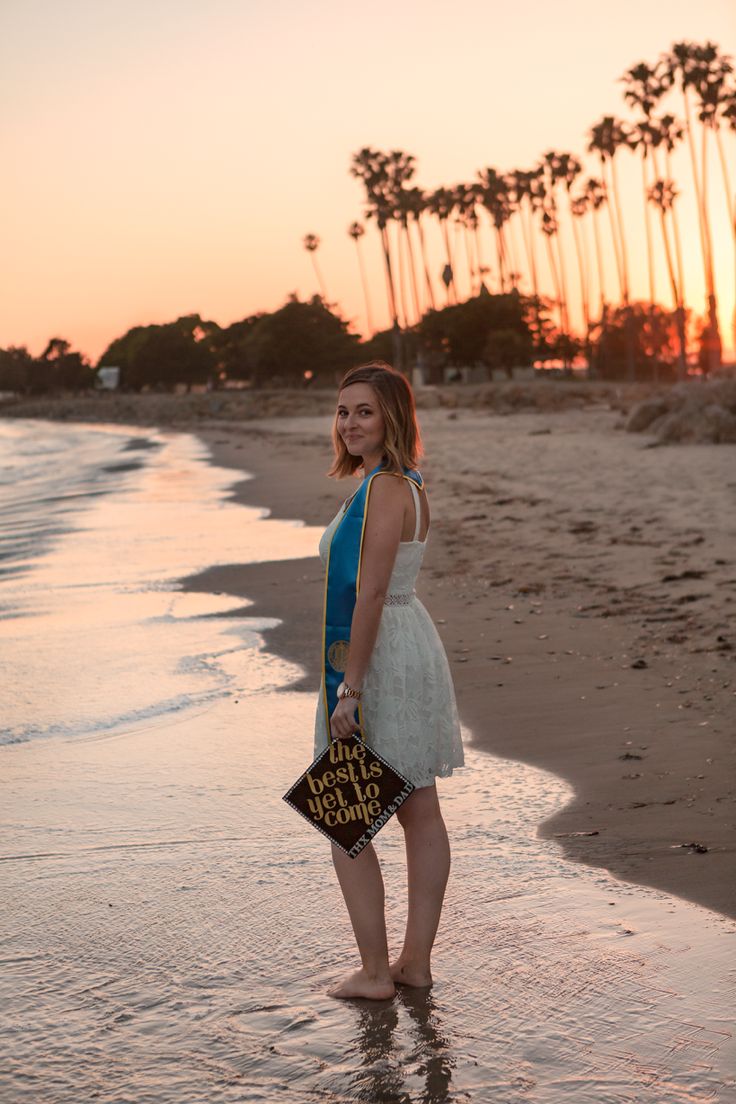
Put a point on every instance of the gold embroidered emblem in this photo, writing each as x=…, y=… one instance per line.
x=337, y=655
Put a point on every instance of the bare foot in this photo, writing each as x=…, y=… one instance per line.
x=359, y=984
x=406, y=974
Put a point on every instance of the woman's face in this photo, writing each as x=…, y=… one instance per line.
x=359, y=420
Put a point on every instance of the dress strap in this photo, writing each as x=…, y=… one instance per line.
x=415, y=495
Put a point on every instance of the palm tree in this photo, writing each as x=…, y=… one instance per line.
x=643, y=137
x=520, y=189
x=550, y=167
x=515, y=227
x=400, y=168
x=356, y=231
x=547, y=209
x=567, y=169
x=728, y=114
x=671, y=132
x=578, y=211
x=370, y=166
x=441, y=203
x=663, y=194
x=715, y=88
x=595, y=193
x=466, y=221
x=494, y=197
x=311, y=244
x=692, y=66
x=645, y=88
x=417, y=203
x=404, y=208
x=605, y=138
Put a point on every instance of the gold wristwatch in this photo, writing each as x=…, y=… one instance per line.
x=345, y=691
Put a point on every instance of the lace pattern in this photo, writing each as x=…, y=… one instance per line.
x=409, y=706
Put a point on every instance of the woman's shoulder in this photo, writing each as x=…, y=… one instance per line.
x=387, y=490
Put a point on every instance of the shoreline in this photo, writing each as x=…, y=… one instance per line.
x=653, y=789
x=582, y=583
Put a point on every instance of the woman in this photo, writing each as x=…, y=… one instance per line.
x=395, y=667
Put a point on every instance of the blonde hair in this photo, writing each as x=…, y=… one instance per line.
x=402, y=444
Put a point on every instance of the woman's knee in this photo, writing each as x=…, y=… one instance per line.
x=421, y=806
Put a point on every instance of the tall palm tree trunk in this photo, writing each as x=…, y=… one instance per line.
x=614, y=230
x=676, y=235
x=563, y=279
x=617, y=221
x=599, y=355
x=427, y=278
x=402, y=281
x=469, y=258
x=389, y=276
x=527, y=230
x=677, y=299
x=364, y=282
x=501, y=254
x=696, y=180
x=705, y=242
x=620, y=220
x=599, y=262
x=583, y=273
x=412, y=270
x=731, y=206
x=508, y=238
x=478, y=253
x=648, y=229
x=451, y=289
x=715, y=353
x=555, y=279
x=318, y=274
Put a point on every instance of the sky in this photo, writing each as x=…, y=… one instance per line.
x=168, y=157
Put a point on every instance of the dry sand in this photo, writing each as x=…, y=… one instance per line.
x=583, y=584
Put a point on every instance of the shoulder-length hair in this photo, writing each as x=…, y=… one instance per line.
x=402, y=445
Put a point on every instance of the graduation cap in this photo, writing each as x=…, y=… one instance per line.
x=348, y=793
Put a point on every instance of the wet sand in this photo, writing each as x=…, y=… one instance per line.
x=584, y=585
x=172, y=927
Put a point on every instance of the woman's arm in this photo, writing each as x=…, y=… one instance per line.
x=383, y=526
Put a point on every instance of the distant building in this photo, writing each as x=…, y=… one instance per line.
x=108, y=378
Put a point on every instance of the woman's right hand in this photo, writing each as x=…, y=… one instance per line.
x=343, y=722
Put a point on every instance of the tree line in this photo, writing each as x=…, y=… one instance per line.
x=550, y=222
x=308, y=343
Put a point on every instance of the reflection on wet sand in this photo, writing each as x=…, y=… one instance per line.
x=388, y=1071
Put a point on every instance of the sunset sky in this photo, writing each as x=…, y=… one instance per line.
x=168, y=156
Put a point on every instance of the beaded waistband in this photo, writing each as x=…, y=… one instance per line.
x=399, y=599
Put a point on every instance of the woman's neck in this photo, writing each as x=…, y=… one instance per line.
x=371, y=462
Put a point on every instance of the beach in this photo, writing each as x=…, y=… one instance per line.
x=584, y=585
x=171, y=926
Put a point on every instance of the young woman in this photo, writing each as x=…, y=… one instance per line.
x=395, y=666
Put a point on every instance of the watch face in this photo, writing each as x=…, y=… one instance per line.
x=340, y=689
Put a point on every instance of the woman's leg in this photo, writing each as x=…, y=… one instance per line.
x=428, y=869
x=362, y=887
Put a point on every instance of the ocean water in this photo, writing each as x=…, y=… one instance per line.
x=98, y=525
x=169, y=926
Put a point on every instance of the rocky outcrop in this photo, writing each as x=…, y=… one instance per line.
x=696, y=412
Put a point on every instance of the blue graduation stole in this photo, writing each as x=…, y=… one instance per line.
x=342, y=584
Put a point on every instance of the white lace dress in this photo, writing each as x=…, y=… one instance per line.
x=409, y=706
